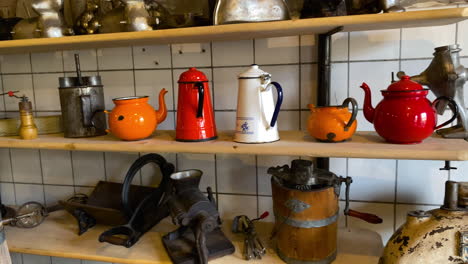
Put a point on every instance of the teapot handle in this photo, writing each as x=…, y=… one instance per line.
x=454, y=108
x=354, y=112
x=278, y=103
x=201, y=98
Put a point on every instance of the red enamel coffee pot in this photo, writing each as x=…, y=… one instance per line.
x=195, y=118
x=405, y=115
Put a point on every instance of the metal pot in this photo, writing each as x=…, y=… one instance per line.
x=82, y=102
x=240, y=11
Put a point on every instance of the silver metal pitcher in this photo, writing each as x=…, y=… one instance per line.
x=241, y=11
x=82, y=103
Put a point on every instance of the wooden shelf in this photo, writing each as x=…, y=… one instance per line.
x=292, y=143
x=241, y=31
x=57, y=237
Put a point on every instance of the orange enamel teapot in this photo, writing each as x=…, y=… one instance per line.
x=133, y=118
x=333, y=123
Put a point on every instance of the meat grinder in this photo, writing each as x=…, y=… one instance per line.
x=445, y=76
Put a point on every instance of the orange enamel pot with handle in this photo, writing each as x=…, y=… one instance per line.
x=133, y=118
x=333, y=123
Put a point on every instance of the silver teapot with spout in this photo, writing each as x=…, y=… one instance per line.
x=241, y=11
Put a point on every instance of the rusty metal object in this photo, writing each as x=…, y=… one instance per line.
x=436, y=236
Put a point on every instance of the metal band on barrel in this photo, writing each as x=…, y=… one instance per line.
x=306, y=224
x=288, y=260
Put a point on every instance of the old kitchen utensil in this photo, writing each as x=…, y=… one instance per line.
x=305, y=204
x=333, y=123
x=195, y=118
x=82, y=104
x=133, y=118
x=257, y=113
x=445, y=76
x=241, y=11
x=253, y=245
x=180, y=13
x=27, y=128
x=6, y=27
x=149, y=212
x=49, y=24
x=117, y=204
x=88, y=21
x=131, y=16
x=44, y=124
x=199, y=237
x=29, y=215
x=435, y=236
x=404, y=116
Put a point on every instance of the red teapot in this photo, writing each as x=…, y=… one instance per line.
x=405, y=115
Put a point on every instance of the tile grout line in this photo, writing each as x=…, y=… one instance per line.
x=256, y=186
x=32, y=81
x=13, y=177
x=395, y=200
x=42, y=176
x=300, y=85
x=216, y=181
x=72, y=170
x=140, y=172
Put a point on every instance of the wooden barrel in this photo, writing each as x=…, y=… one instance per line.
x=305, y=224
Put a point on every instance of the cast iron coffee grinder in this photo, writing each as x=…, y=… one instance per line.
x=445, y=76
x=199, y=237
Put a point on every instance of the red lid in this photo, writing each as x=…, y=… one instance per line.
x=193, y=75
x=404, y=84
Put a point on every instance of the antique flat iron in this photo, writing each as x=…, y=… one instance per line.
x=199, y=237
x=445, y=76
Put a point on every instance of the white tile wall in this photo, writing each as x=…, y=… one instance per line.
x=47, y=62
x=388, y=188
x=88, y=60
x=147, y=57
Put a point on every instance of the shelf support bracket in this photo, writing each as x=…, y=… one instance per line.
x=324, y=76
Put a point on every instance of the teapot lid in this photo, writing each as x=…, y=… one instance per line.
x=253, y=72
x=192, y=75
x=404, y=84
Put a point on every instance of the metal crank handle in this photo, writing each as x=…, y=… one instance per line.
x=370, y=218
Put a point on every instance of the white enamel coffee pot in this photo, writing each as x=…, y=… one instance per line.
x=257, y=113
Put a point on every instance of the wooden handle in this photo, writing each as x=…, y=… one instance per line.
x=370, y=218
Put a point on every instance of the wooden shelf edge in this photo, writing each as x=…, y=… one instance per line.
x=292, y=143
x=241, y=31
x=58, y=238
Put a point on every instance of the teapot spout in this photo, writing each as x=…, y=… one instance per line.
x=161, y=113
x=368, y=109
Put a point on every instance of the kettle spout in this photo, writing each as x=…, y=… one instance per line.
x=161, y=113
x=368, y=109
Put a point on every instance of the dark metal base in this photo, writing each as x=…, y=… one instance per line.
x=184, y=251
x=197, y=140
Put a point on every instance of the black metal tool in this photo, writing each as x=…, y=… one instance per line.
x=149, y=212
x=199, y=237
